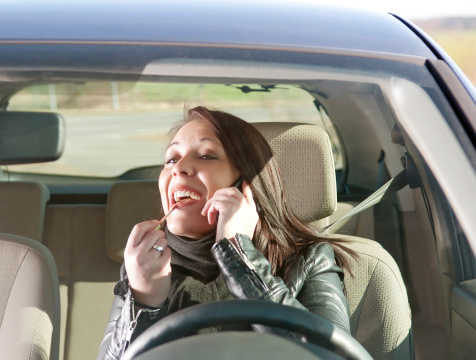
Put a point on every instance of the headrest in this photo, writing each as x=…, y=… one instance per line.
x=304, y=154
x=129, y=203
x=30, y=291
x=22, y=209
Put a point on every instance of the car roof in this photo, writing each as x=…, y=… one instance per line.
x=265, y=24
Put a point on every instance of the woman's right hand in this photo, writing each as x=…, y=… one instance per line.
x=147, y=268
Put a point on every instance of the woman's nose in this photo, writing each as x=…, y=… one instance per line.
x=183, y=167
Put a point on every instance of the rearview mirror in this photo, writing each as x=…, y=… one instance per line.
x=30, y=137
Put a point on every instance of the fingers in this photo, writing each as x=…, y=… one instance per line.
x=141, y=242
x=151, y=238
x=226, y=198
x=160, y=252
x=225, y=192
x=220, y=202
x=212, y=214
x=140, y=230
x=148, y=269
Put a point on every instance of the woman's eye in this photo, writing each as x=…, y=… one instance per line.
x=171, y=161
x=207, y=157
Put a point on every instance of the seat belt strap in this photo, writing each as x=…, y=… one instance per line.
x=390, y=187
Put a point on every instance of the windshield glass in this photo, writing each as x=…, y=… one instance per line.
x=112, y=127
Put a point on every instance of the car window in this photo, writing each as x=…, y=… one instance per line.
x=102, y=141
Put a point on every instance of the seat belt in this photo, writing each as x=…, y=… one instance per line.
x=390, y=187
x=408, y=176
x=386, y=218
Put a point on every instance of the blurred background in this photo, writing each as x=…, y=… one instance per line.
x=457, y=36
x=452, y=24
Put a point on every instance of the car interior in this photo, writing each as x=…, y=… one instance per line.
x=334, y=152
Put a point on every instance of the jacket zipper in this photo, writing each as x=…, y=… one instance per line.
x=131, y=328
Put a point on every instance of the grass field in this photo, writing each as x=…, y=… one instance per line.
x=461, y=46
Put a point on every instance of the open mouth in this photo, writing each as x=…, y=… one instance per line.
x=184, y=196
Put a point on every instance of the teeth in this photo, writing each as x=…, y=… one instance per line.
x=179, y=195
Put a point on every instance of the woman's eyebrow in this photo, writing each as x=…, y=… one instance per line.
x=201, y=140
x=212, y=140
x=172, y=144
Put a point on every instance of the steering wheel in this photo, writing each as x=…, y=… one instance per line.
x=188, y=321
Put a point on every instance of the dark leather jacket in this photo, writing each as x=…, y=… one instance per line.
x=313, y=283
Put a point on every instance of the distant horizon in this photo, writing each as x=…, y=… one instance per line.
x=447, y=23
x=411, y=9
x=441, y=17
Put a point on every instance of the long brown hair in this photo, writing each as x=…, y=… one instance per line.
x=279, y=235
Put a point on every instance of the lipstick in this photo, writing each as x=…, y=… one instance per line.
x=161, y=221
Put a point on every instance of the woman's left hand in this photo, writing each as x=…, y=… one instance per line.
x=237, y=212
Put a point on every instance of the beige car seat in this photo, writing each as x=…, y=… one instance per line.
x=22, y=208
x=380, y=317
x=29, y=300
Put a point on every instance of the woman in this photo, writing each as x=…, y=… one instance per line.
x=219, y=242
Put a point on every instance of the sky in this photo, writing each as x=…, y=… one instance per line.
x=413, y=9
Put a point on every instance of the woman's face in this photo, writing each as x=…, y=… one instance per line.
x=196, y=166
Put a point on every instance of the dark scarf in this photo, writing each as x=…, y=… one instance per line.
x=193, y=257
x=196, y=278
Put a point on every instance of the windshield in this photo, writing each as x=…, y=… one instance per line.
x=113, y=127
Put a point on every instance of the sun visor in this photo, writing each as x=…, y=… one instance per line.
x=30, y=137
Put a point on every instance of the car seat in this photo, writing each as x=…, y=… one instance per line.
x=29, y=300
x=380, y=316
x=22, y=209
